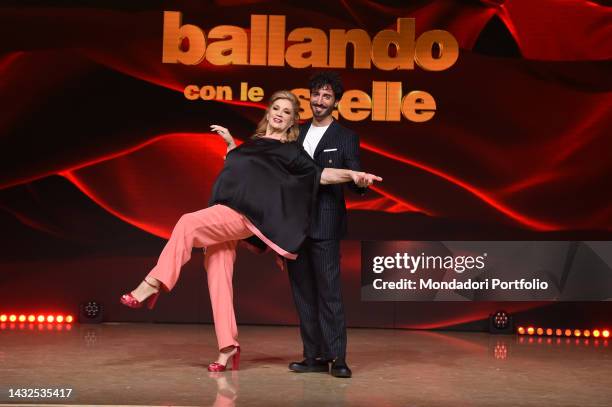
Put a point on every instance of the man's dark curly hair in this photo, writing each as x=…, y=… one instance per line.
x=324, y=78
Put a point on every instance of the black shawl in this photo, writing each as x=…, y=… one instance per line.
x=274, y=185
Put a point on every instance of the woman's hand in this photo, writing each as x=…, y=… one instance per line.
x=364, y=179
x=225, y=135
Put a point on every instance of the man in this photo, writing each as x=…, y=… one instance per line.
x=315, y=274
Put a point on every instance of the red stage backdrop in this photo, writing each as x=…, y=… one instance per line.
x=501, y=130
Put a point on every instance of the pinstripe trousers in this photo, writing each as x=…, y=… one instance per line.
x=315, y=283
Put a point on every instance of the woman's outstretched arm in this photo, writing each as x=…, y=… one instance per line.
x=339, y=175
x=225, y=134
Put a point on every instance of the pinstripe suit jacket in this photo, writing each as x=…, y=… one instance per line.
x=338, y=148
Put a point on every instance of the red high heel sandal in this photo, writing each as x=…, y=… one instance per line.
x=129, y=301
x=218, y=367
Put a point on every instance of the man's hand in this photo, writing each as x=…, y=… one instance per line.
x=364, y=179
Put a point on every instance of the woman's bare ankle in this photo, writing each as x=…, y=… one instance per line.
x=144, y=290
x=152, y=282
x=226, y=353
x=227, y=349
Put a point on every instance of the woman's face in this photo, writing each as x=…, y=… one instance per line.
x=280, y=115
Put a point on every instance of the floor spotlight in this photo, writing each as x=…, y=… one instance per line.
x=500, y=323
x=90, y=313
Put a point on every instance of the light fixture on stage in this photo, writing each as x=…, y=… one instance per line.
x=500, y=323
x=57, y=322
x=576, y=333
x=90, y=312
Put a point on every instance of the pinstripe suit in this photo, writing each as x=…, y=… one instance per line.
x=315, y=274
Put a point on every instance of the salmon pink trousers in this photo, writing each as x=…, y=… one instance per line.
x=218, y=229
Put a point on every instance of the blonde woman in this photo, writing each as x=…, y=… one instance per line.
x=265, y=191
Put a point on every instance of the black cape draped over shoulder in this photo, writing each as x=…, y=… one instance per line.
x=274, y=185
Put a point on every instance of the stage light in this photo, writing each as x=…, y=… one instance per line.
x=32, y=318
x=500, y=323
x=501, y=319
x=69, y=319
x=90, y=312
x=567, y=332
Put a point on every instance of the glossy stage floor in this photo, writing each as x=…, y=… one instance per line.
x=165, y=364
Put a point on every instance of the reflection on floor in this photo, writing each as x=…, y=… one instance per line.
x=164, y=364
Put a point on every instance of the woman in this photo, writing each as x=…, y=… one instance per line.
x=265, y=191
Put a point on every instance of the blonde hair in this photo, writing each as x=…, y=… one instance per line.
x=293, y=131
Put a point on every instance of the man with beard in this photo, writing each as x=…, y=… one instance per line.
x=315, y=274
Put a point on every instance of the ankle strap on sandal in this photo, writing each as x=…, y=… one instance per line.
x=151, y=285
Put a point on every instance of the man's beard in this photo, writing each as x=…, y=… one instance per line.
x=324, y=113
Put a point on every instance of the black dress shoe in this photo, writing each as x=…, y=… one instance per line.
x=309, y=365
x=340, y=368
